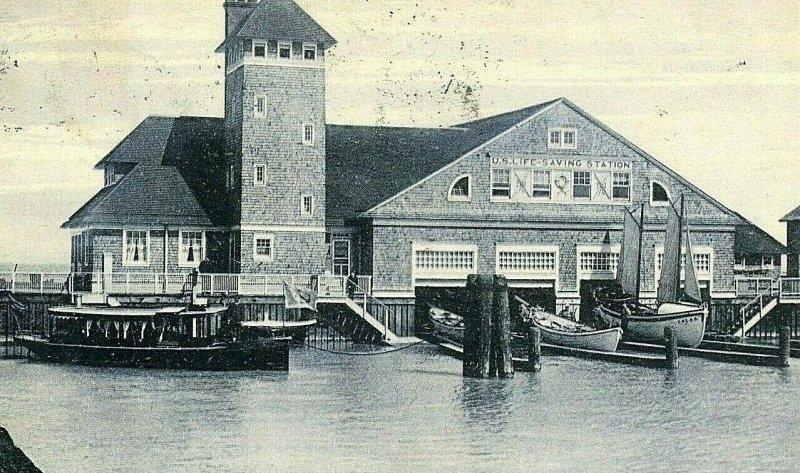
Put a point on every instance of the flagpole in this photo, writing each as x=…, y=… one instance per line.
x=639, y=259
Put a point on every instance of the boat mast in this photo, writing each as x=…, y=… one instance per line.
x=639, y=259
x=681, y=255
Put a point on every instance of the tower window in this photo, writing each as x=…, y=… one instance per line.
x=308, y=134
x=285, y=50
x=260, y=106
x=309, y=52
x=259, y=176
x=306, y=204
x=259, y=49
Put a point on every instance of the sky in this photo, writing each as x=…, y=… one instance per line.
x=711, y=89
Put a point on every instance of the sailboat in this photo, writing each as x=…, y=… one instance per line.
x=676, y=307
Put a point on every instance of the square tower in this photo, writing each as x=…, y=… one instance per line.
x=275, y=136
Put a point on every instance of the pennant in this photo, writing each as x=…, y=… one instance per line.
x=299, y=298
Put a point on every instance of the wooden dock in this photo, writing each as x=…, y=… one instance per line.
x=758, y=355
x=627, y=358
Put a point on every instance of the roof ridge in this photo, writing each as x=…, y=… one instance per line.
x=509, y=113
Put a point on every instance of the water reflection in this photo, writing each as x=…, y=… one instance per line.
x=487, y=403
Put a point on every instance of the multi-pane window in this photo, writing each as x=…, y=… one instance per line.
x=191, y=248
x=562, y=138
x=454, y=260
x=527, y=261
x=582, y=184
x=622, y=185
x=80, y=248
x=259, y=49
x=540, y=185
x=308, y=134
x=285, y=50
x=263, y=247
x=460, y=189
x=310, y=52
x=135, y=251
x=306, y=205
x=658, y=194
x=605, y=261
x=260, y=175
x=341, y=257
x=260, y=106
x=501, y=183
x=702, y=262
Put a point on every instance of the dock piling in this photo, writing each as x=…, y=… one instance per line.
x=534, y=349
x=478, y=326
x=785, y=346
x=501, y=329
x=671, y=347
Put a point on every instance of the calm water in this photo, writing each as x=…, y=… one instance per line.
x=407, y=411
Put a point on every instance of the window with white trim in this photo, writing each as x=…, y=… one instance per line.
x=435, y=260
x=309, y=51
x=701, y=258
x=460, y=189
x=259, y=49
x=526, y=261
x=260, y=106
x=540, y=184
x=621, y=186
x=306, y=204
x=191, y=248
x=263, y=247
x=136, y=247
x=582, y=184
x=562, y=138
x=260, y=175
x=658, y=194
x=308, y=134
x=284, y=50
x=605, y=261
x=501, y=183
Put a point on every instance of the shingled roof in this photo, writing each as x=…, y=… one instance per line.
x=792, y=216
x=176, y=179
x=751, y=240
x=367, y=164
x=280, y=19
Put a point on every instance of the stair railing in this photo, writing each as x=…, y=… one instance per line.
x=383, y=318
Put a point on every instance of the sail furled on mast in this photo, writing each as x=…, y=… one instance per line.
x=628, y=267
x=670, y=282
x=691, y=290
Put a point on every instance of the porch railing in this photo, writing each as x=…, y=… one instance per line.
x=140, y=283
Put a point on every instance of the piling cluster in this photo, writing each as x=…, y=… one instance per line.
x=487, y=328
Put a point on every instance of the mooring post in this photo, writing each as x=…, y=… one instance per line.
x=671, y=347
x=534, y=349
x=478, y=326
x=785, y=345
x=502, y=328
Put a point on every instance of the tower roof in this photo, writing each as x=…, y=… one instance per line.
x=280, y=19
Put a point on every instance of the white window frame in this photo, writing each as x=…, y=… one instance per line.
x=460, y=198
x=125, y=260
x=549, y=274
x=263, y=181
x=443, y=273
x=308, y=46
x=492, y=185
x=574, y=183
x=560, y=144
x=291, y=50
x=265, y=43
x=696, y=250
x=182, y=262
x=262, y=114
x=303, y=210
x=614, y=186
x=264, y=236
x=306, y=141
x=666, y=189
x=588, y=274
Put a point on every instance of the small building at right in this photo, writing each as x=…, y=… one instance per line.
x=792, y=220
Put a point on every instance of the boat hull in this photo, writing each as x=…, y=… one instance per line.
x=261, y=354
x=688, y=323
x=448, y=332
x=598, y=340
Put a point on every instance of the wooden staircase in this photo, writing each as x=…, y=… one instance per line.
x=753, y=312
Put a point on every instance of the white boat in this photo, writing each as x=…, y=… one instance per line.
x=568, y=333
x=679, y=308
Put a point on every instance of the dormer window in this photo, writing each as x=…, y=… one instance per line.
x=285, y=50
x=562, y=138
x=309, y=52
x=259, y=49
x=460, y=189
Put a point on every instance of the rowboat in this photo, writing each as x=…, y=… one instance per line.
x=297, y=329
x=447, y=325
x=687, y=321
x=568, y=333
